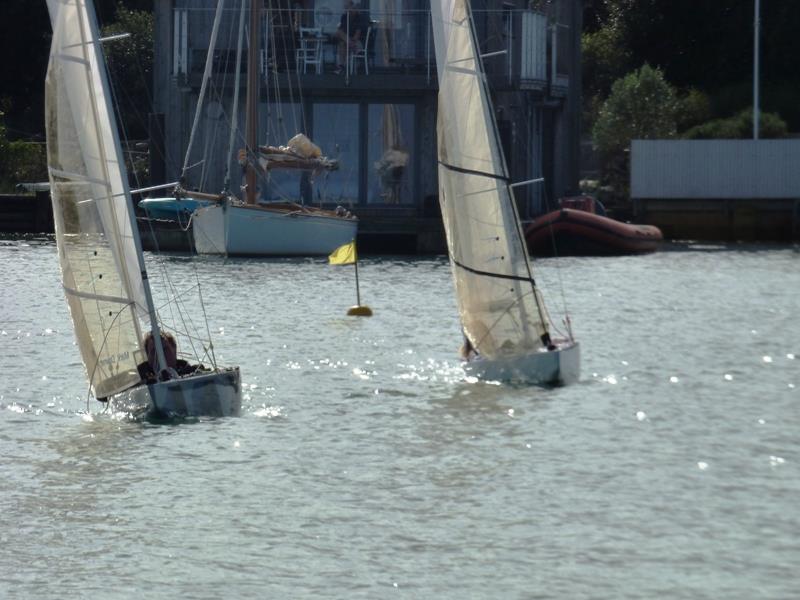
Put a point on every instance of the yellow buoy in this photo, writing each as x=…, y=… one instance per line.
x=359, y=311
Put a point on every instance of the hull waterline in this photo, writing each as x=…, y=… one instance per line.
x=214, y=394
x=555, y=367
x=256, y=231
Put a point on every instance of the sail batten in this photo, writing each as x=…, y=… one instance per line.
x=473, y=172
x=91, y=296
x=78, y=177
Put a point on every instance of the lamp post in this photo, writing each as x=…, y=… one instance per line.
x=756, y=60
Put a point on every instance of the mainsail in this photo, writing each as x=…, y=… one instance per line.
x=100, y=268
x=501, y=311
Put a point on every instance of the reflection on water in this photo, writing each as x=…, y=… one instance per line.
x=365, y=464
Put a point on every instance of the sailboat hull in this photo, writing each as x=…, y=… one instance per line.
x=555, y=367
x=216, y=394
x=260, y=231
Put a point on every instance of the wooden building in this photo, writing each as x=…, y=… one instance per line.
x=378, y=118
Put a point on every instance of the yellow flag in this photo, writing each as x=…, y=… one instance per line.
x=344, y=255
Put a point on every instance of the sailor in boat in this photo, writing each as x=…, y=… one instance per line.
x=468, y=351
x=176, y=367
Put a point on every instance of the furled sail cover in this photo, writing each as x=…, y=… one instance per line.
x=500, y=311
x=99, y=262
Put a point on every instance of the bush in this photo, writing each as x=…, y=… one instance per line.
x=693, y=109
x=20, y=161
x=739, y=126
x=642, y=105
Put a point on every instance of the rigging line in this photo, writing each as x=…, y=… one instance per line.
x=298, y=127
x=473, y=172
x=161, y=264
x=175, y=303
x=143, y=81
x=558, y=270
x=185, y=317
x=121, y=125
x=218, y=91
x=194, y=271
x=507, y=311
x=276, y=90
x=100, y=350
x=285, y=48
x=203, y=85
x=234, y=118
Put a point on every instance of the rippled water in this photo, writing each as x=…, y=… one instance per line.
x=364, y=466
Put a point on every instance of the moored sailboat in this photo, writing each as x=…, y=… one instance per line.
x=102, y=266
x=505, y=323
x=231, y=226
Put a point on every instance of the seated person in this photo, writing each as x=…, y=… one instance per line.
x=468, y=352
x=175, y=366
x=355, y=24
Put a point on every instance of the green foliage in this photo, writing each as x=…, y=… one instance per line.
x=20, y=161
x=703, y=45
x=642, y=105
x=739, y=126
x=605, y=59
x=130, y=63
x=693, y=108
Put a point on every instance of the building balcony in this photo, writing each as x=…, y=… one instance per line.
x=524, y=50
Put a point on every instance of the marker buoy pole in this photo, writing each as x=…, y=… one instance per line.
x=358, y=310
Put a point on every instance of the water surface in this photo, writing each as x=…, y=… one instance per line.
x=366, y=466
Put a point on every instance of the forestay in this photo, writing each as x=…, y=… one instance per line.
x=100, y=270
x=499, y=306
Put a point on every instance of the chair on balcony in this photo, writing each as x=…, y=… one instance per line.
x=309, y=50
x=362, y=54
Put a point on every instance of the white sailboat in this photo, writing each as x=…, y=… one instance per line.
x=102, y=266
x=231, y=227
x=505, y=323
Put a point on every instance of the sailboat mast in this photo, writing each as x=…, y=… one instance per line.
x=237, y=82
x=251, y=126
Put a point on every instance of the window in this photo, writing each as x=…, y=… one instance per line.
x=336, y=132
x=390, y=145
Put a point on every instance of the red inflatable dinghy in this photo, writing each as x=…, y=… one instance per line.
x=577, y=230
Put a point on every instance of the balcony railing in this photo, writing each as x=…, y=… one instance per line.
x=525, y=47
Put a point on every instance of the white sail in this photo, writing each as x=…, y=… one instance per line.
x=500, y=309
x=100, y=268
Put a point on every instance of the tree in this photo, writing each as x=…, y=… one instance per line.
x=703, y=45
x=642, y=105
x=130, y=64
x=694, y=107
x=605, y=59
